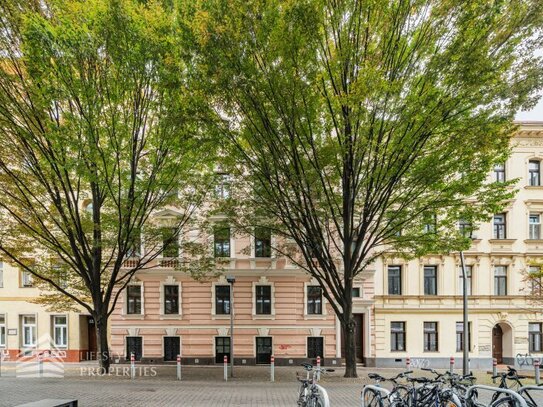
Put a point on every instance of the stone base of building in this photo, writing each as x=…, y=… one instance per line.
x=67, y=355
x=434, y=363
x=241, y=361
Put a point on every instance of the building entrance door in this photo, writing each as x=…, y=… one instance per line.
x=497, y=343
x=358, y=338
x=172, y=348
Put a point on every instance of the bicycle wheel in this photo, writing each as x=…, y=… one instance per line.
x=315, y=401
x=504, y=402
x=372, y=398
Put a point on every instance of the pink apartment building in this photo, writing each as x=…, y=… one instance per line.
x=278, y=309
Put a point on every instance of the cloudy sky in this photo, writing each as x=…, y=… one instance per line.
x=536, y=114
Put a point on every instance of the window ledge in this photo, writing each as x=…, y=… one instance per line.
x=170, y=316
x=536, y=187
x=535, y=241
x=133, y=316
x=503, y=241
x=227, y=316
x=315, y=316
x=263, y=316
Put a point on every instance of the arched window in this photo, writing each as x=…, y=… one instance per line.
x=534, y=173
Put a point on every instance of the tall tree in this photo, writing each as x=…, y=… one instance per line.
x=366, y=126
x=96, y=136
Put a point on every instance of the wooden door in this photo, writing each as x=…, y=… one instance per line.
x=172, y=348
x=91, y=333
x=263, y=350
x=359, y=338
x=497, y=343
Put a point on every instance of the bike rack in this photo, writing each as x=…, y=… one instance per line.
x=525, y=388
x=324, y=395
x=376, y=388
x=520, y=401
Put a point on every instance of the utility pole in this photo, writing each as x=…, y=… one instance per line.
x=465, y=358
x=231, y=280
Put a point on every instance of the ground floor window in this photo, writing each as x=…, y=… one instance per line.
x=2, y=330
x=263, y=349
x=460, y=338
x=222, y=348
x=29, y=330
x=397, y=336
x=134, y=344
x=172, y=347
x=60, y=330
x=535, y=336
x=315, y=347
x=430, y=337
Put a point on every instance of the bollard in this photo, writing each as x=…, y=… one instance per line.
x=408, y=363
x=318, y=368
x=451, y=365
x=537, y=373
x=178, y=367
x=494, y=369
x=40, y=364
x=225, y=368
x=272, y=367
x=1, y=358
x=132, y=365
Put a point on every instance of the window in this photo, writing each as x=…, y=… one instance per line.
x=461, y=280
x=315, y=347
x=134, y=344
x=134, y=247
x=499, y=172
x=60, y=330
x=430, y=223
x=1, y=274
x=222, y=242
x=2, y=330
x=222, y=299
x=535, y=336
x=465, y=228
x=500, y=280
x=535, y=226
x=534, y=179
x=29, y=330
x=314, y=300
x=222, y=190
x=460, y=336
x=499, y=226
x=222, y=348
x=263, y=299
x=430, y=280
x=262, y=242
x=430, y=337
x=171, y=299
x=394, y=280
x=170, y=243
x=356, y=292
x=535, y=280
x=133, y=296
x=397, y=336
x=26, y=278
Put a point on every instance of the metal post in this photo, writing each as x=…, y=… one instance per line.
x=231, y=280
x=465, y=358
x=537, y=373
x=494, y=369
x=272, y=367
x=1, y=359
x=40, y=364
x=318, y=368
x=178, y=367
x=132, y=365
x=451, y=365
x=225, y=359
x=408, y=363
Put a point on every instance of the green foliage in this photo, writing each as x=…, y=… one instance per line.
x=352, y=121
x=97, y=134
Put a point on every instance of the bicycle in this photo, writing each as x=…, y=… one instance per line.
x=310, y=393
x=376, y=396
x=523, y=391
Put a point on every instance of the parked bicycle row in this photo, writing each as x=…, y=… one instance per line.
x=436, y=389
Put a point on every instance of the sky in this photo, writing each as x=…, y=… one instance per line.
x=536, y=114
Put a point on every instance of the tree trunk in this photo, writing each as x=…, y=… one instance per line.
x=348, y=329
x=102, y=343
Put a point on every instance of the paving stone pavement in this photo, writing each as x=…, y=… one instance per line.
x=200, y=386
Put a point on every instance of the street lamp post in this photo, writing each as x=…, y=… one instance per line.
x=231, y=280
x=465, y=358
